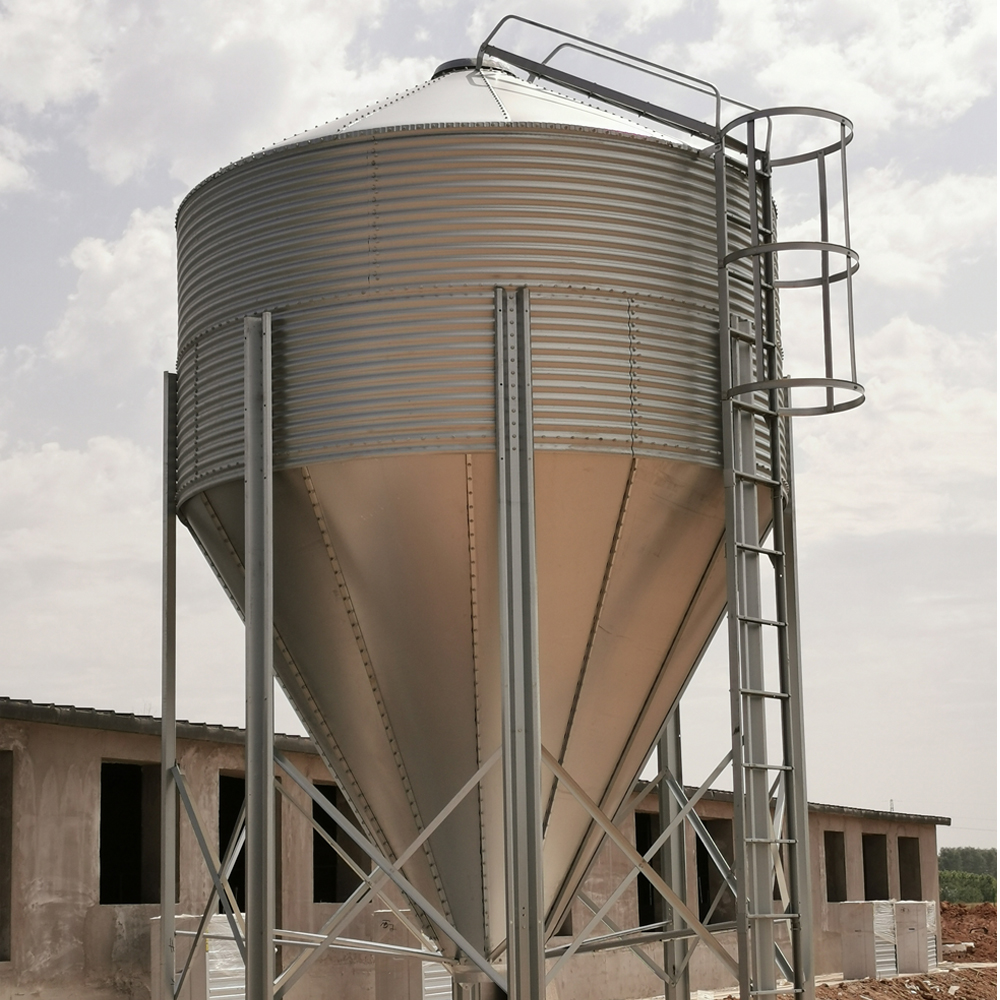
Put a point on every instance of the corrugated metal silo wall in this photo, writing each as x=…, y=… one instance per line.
x=378, y=254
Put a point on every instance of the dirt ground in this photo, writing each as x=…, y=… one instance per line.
x=975, y=922
x=962, y=984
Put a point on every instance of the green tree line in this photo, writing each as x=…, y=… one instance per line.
x=967, y=874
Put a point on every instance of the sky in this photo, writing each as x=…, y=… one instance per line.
x=111, y=110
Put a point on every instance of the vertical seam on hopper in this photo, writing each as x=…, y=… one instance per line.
x=593, y=629
x=359, y=638
x=474, y=601
x=344, y=768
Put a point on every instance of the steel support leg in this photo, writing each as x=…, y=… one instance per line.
x=168, y=695
x=797, y=806
x=673, y=860
x=260, y=883
x=519, y=650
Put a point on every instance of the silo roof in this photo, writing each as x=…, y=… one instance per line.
x=460, y=94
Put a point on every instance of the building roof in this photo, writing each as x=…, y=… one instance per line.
x=125, y=722
x=721, y=795
x=148, y=725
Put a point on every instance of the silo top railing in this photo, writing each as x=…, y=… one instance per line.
x=737, y=140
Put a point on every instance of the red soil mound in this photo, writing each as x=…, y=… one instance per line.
x=967, y=984
x=975, y=922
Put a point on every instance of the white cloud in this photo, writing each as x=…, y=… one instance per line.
x=910, y=234
x=191, y=83
x=88, y=507
x=80, y=588
x=123, y=313
x=14, y=147
x=51, y=50
x=607, y=23
x=915, y=61
x=919, y=455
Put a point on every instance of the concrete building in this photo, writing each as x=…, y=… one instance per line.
x=79, y=864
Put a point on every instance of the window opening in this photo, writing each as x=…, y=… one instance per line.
x=876, y=864
x=836, y=866
x=909, y=868
x=232, y=790
x=130, y=833
x=710, y=879
x=6, y=849
x=333, y=879
x=647, y=829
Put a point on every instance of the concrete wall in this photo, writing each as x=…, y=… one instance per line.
x=826, y=915
x=65, y=940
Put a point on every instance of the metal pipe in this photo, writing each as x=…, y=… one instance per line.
x=257, y=496
x=519, y=650
x=168, y=694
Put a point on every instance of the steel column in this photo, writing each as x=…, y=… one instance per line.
x=258, y=603
x=519, y=650
x=799, y=870
x=168, y=694
x=673, y=860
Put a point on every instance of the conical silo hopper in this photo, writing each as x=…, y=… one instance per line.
x=376, y=243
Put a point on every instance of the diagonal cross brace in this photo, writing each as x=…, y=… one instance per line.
x=720, y=862
x=232, y=912
x=638, y=862
x=349, y=861
x=660, y=841
x=233, y=848
x=370, y=884
x=401, y=882
x=642, y=956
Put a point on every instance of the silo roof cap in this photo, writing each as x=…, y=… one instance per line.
x=460, y=93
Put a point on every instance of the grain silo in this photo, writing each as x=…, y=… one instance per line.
x=453, y=364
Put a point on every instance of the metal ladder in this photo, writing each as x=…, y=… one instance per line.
x=756, y=456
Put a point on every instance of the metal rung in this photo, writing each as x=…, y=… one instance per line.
x=763, y=694
x=773, y=916
x=761, y=411
x=777, y=990
x=749, y=338
x=761, y=621
x=764, y=840
x=760, y=549
x=753, y=478
x=767, y=767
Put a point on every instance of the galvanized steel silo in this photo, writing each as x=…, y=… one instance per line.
x=376, y=244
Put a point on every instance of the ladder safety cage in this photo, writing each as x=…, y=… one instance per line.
x=838, y=376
